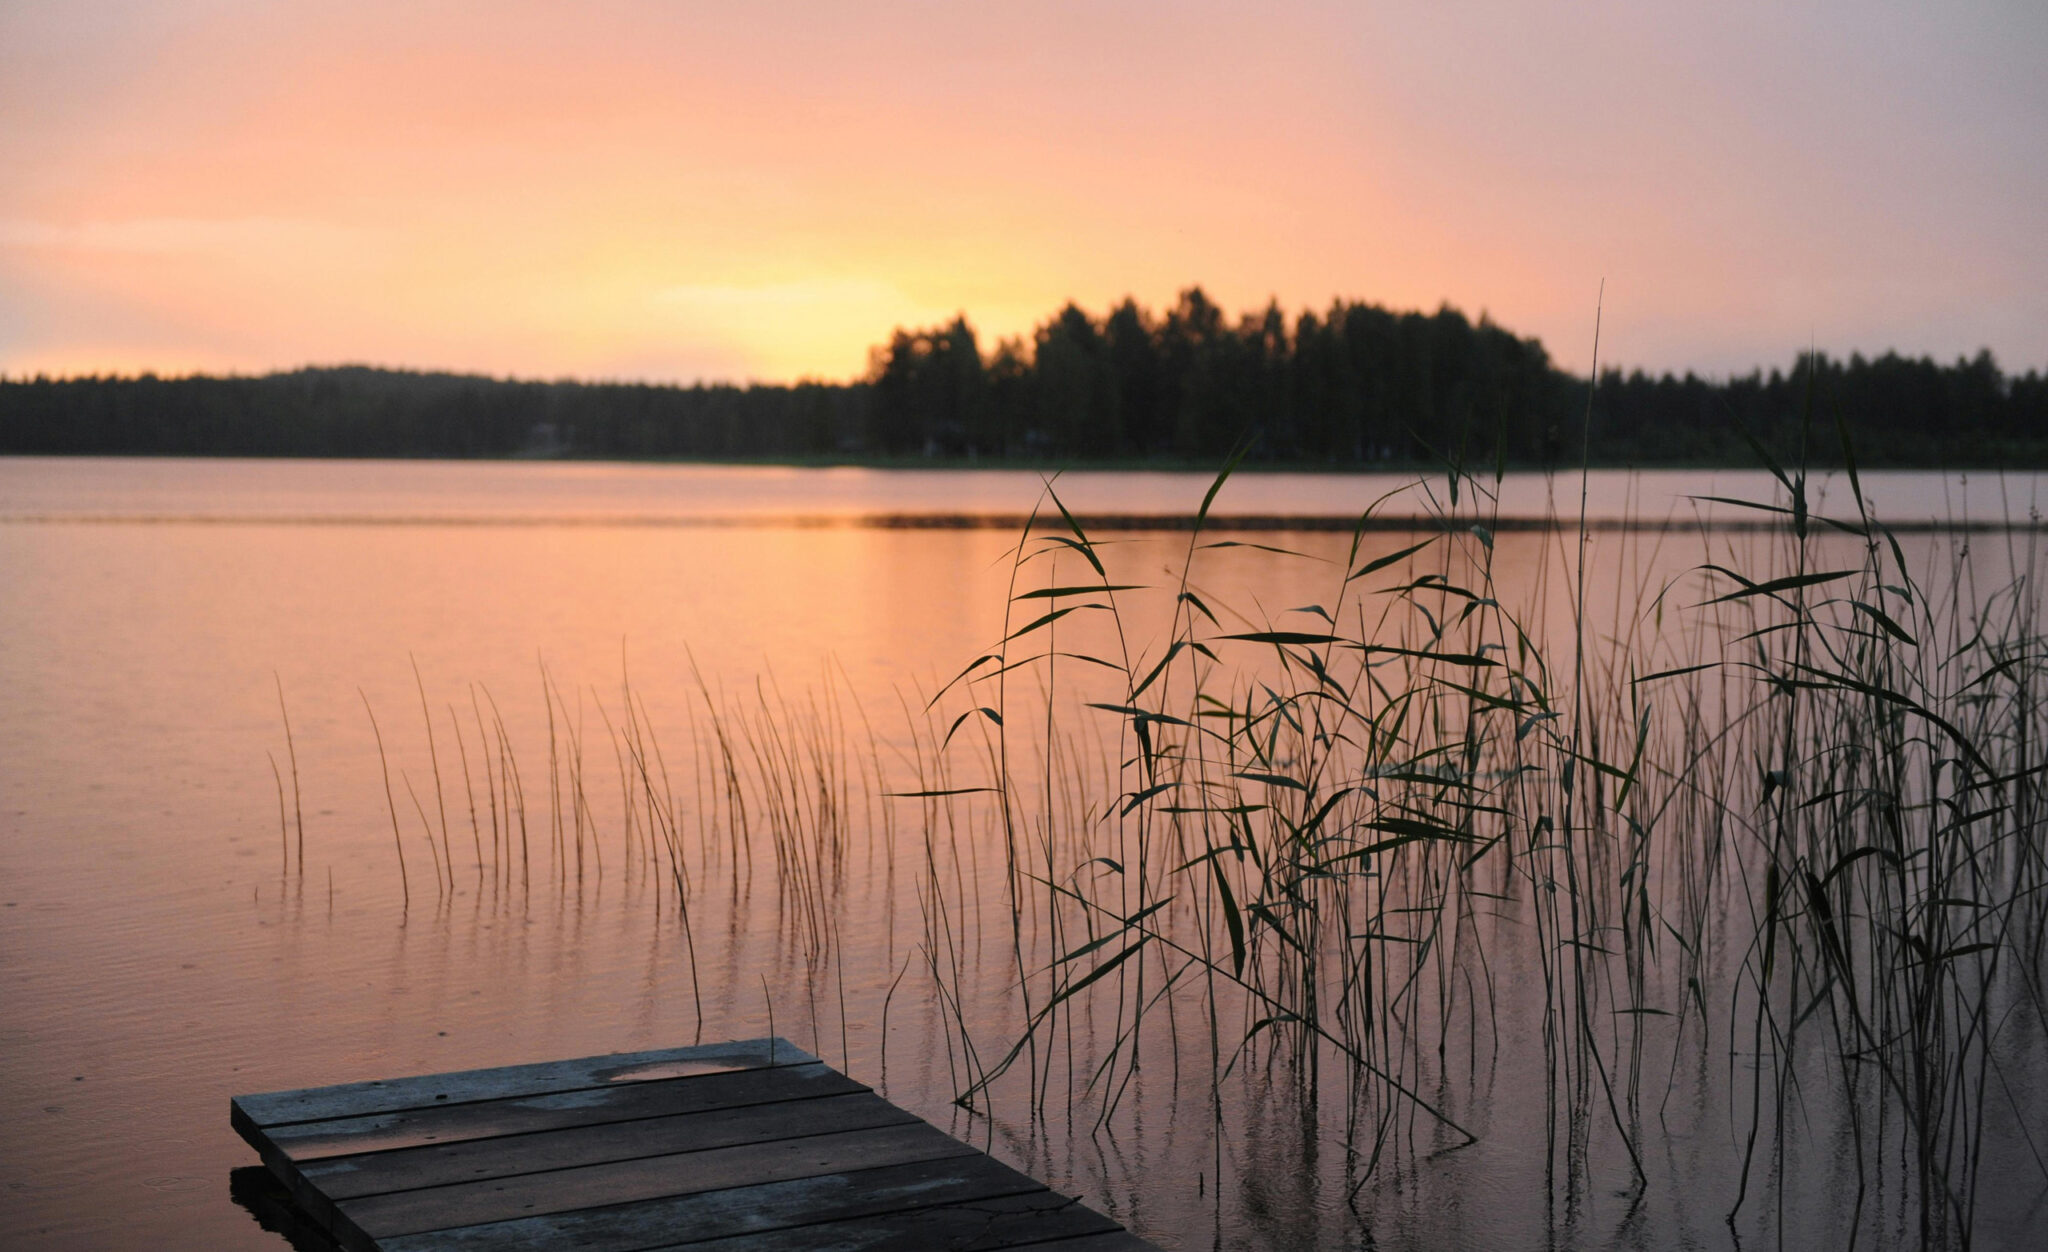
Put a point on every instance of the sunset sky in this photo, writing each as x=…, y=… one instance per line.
x=677, y=191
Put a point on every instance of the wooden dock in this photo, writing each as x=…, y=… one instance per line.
x=755, y=1146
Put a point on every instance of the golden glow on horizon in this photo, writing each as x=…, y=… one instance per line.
x=676, y=192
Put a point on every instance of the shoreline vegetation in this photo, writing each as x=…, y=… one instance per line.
x=1748, y=859
x=1380, y=523
x=1356, y=387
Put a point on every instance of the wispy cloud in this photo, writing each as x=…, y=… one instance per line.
x=175, y=236
x=840, y=293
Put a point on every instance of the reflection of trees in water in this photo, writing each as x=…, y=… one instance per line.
x=1709, y=887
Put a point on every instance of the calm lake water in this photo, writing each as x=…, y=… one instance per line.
x=161, y=947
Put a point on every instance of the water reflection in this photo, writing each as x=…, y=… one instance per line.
x=257, y=1192
x=156, y=938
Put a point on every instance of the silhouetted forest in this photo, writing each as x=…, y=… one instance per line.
x=1356, y=385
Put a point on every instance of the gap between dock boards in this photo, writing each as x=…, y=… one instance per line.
x=752, y=1146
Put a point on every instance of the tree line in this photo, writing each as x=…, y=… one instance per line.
x=1356, y=385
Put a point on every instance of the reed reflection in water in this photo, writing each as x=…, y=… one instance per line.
x=1384, y=990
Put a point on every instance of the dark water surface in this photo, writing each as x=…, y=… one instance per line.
x=161, y=947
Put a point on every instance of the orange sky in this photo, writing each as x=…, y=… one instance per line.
x=679, y=191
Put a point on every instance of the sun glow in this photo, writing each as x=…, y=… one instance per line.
x=676, y=193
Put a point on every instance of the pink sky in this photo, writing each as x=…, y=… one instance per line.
x=674, y=191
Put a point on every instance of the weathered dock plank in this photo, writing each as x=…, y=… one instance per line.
x=409, y=1169
x=754, y=1146
x=737, y=1210
x=464, y=1204
x=358, y=1099
x=490, y=1119
x=968, y=1227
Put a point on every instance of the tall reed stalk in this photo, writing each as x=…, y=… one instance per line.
x=1776, y=817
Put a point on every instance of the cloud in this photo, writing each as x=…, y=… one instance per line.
x=175, y=236
x=833, y=294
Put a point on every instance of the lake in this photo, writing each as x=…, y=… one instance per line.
x=678, y=719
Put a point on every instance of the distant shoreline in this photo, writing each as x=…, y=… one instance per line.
x=1225, y=523
x=1366, y=389
x=2026, y=459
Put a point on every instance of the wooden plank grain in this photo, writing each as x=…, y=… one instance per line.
x=645, y=1178
x=360, y=1099
x=639, y=1226
x=410, y=1169
x=754, y=1146
x=971, y=1226
x=317, y=1206
x=1110, y=1241
x=589, y=1106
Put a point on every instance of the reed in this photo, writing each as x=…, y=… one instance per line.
x=292, y=752
x=284, y=849
x=390, y=805
x=1312, y=814
x=1776, y=816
